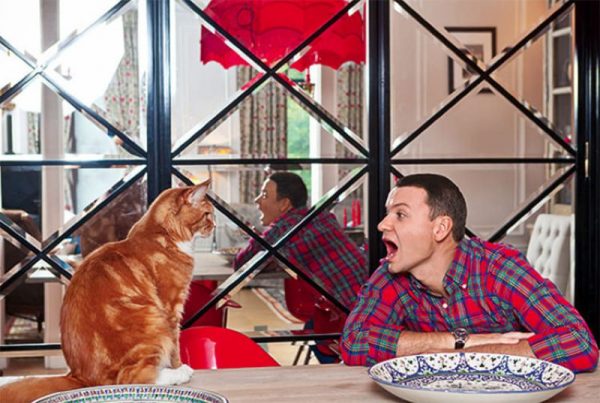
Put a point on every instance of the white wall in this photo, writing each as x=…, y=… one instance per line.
x=480, y=125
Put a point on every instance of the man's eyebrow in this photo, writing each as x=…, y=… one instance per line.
x=388, y=208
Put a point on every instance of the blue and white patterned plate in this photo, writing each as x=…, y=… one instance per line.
x=134, y=393
x=471, y=377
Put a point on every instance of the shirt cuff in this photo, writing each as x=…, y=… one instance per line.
x=383, y=343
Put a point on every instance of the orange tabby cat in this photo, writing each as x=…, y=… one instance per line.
x=121, y=312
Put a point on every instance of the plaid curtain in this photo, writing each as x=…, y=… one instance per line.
x=350, y=98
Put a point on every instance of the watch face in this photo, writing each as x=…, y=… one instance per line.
x=460, y=337
x=461, y=333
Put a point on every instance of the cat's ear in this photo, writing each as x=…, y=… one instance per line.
x=196, y=193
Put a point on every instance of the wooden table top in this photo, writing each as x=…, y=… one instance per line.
x=333, y=383
x=328, y=383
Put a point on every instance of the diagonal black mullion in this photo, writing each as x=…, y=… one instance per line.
x=18, y=237
x=533, y=116
x=270, y=72
x=315, y=34
x=501, y=232
x=26, y=59
x=15, y=276
x=397, y=173
x=237, y=44
x=313, y=212
x=484, y=75
x=128, y=144
x=273, y=250
x=98, y=207
x=61, y=46
x=316, y=110
x=54, y=266
x=223, y=113
x=310, y=215
x=532, y=35
x=42, y=254
x=15, y=89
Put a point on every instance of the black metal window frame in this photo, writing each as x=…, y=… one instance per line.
x=159, y=162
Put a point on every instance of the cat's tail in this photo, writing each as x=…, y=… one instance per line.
x=29, y=389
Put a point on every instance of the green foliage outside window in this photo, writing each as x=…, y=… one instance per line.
x=297, y=131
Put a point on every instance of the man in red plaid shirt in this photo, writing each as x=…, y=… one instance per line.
x=437, y=291
x=320, y=249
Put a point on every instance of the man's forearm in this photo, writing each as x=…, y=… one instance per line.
x=522, y=348
x=432, y=342
x=410, y=343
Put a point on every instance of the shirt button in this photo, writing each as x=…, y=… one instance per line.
x=444, y=305
x=464, y=286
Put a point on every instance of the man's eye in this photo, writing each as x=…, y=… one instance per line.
x=400, y=214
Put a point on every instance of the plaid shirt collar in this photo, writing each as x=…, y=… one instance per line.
x=456, y=277
x=294, y=214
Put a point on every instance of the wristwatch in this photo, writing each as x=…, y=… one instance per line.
x=460, y=337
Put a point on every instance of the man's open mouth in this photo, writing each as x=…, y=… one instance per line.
x=391, y=248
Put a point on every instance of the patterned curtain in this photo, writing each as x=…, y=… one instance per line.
x=33, y=133
x=350, y=98
x=263, y=130
x=125, y=108
x=70, y=174
x=122, y=98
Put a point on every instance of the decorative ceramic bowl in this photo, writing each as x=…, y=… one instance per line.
x=471, y=377
x=134, y=393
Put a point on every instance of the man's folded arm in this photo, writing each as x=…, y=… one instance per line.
x=561, y=334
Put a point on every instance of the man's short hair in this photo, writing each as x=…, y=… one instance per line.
x=291, y=186
x=443, y=198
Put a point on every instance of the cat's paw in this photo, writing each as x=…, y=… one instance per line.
x=177, y=376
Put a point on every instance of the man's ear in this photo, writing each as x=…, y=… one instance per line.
x=442, y=227
x=286, y=205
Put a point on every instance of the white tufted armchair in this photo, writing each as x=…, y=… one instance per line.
x=549, y=250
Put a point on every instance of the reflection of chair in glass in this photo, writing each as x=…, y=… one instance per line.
x=198, y=296
x=26, y=300
x=305, y=303
x=549, y=250
x=328, y=319
x=209, y=347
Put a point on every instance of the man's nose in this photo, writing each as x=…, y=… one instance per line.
x=257, y=199
x=383, y=224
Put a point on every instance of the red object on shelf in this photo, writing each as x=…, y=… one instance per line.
x=345, y=218
x=271, y=29
x=358, y=213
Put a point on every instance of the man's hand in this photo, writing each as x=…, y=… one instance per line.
x=483, y=339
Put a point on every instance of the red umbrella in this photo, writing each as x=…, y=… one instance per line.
x=271, y=29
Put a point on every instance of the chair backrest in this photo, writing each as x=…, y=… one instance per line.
x=549, y=249
x=209, y=347
x=300, y=298
x=198, y=296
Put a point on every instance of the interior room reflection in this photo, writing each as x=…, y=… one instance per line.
x=106, y=71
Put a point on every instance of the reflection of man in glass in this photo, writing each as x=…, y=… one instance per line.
x=320, y=249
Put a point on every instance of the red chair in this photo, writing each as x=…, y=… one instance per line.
x=199, y=295
x=209, y=347
x=328, y=319
x=300, y=298
x=305, y=303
